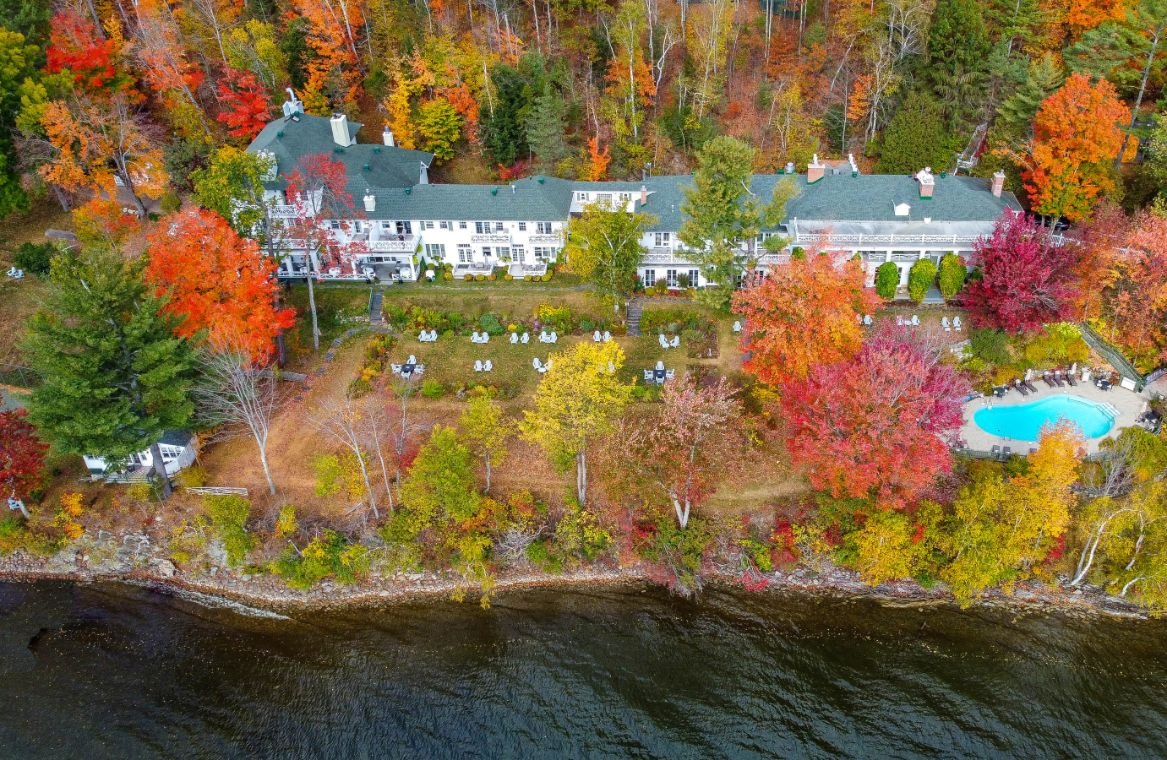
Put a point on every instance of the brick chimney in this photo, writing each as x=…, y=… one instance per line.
x=643, y=195
x=927, y=182
x=998, y=183
x=815, y=170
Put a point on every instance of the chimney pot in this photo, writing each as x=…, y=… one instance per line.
x=815, y=170
x=998, y=183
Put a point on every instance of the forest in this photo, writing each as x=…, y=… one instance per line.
x=588, y=89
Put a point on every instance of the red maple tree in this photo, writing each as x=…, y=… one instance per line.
x=1024, y=279
x=22, y=455
x=318, y=191
x=802, y=315
x=246, y=104
x=76, y=45
x=879, y=424
x=217, y=281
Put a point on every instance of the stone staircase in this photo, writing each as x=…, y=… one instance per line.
x=635, y=308
x=375, y=298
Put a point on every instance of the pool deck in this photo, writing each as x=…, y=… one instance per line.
x=1128, y=403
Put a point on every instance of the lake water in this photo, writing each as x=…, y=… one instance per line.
x=108, y=671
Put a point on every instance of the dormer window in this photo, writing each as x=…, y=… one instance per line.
x=903, y=209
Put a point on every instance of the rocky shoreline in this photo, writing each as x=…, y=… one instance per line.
x=267, y=596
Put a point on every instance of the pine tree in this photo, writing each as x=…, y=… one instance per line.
x=1015, y=115
x=505, y=135
x=114, y=376
x=958, y=55
x=916, y=137
x=545, y=129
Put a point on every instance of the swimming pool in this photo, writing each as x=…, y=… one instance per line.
x=1024, y=422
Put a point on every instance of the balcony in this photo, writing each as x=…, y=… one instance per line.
x=388, y=242
x=500, y=237
x=552, y=238
x=283, y=211
x=664, y=256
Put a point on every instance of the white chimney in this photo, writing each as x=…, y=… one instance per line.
x=815, y=170
x=998, y=183
x=790, y=167
x=424, y=176
x=387, y=137
x=643, y=195
x=927, y=182
x=370, y=201
x=854, y=166
x=340, y=134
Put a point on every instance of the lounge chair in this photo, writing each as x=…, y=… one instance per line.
x=1046, y=380
x=396, y=368
x=1032, y=388
x=488, y=366
x=596, y=336
x=536, y=363
x=869, y=320
x=526, y=338
x=1006, y=452
x=915, y=320
x=423, y=336
x=607, y=336
x=899, y=321
x=737, y=326
x=670, y=373
x=995, y=452
x=664, y=342
x=956, y=323
x=514, y=338
x=675, y=342
x=1020, y=388
x=554, y=338
x=946, y=324
x=1071, y=379
x=412, y=359
x=648, y=375
x=1057, y=376
x=477, y=365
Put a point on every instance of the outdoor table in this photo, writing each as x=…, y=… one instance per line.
x=659, y=376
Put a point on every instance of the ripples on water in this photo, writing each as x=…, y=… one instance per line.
x=113, y=672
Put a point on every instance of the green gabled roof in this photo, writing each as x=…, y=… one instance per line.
x=544, y=199
x=367, y=166
x=871, y=197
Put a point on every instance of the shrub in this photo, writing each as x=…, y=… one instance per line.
x=540, y=555
x=35, y=258
x=798, y=253
x=468, y=277
x=169, y=202
x=678, y=552
x=547, y=277
x=328, y=474
x=952, y=275
x=991, y=346
x=360, y=387
x=329, y=555
x=920, y=278
x=447, y=276
x=192, y=477
x=229, y=515
x=492, y=277
x=887, y=279
x=674, y=319
x=661, y=287
x=286, y=523
x=432, y=389
x=558, y=318
x=683, y=280
x=507, y=277
x=578, y=534
x=491, y=324
x=480, y=278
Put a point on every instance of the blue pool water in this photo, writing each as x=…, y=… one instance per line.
x=1024, y=422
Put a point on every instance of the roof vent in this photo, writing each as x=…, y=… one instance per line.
x=540, y=180
x=376, y=148
x=408, y=190
x=279, y=134
x=338, y=149
x=494, y=191
x=366, y=168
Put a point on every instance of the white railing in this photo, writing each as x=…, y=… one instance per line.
x=832, y=238
x=283, y=211
x=499, y=238
x=398, y=243
x=554, y=237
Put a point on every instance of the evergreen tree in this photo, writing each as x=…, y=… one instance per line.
x=720, y=213
x=545, y=131
x=504, y=128
x=916, y=137
x=958, y=55
x=114, y=377
x=18, y=62
x=1015, y=114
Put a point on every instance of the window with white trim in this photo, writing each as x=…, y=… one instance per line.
x=465, y=253
x=661, y=239
x=518, y=253
x=482, y=228
x=444, y=225
x=671, y=277
x=503, y=252
x=522, y=226
x=694, y=278
x=649, y=278
x=625, y=197
x=543, y=228
x=461, y=225
x=498, y=227
x=427, y=225
x=435, y=250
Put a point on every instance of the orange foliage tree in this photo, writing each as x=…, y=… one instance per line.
x=801, y=316
x=598, y=160
x=217, y=281
x=1077, y=133
x=1137, y=296
x=334, y=77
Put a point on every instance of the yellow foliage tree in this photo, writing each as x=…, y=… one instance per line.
x=575, y=405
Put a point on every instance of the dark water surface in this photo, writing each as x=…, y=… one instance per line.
x=107, y=671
